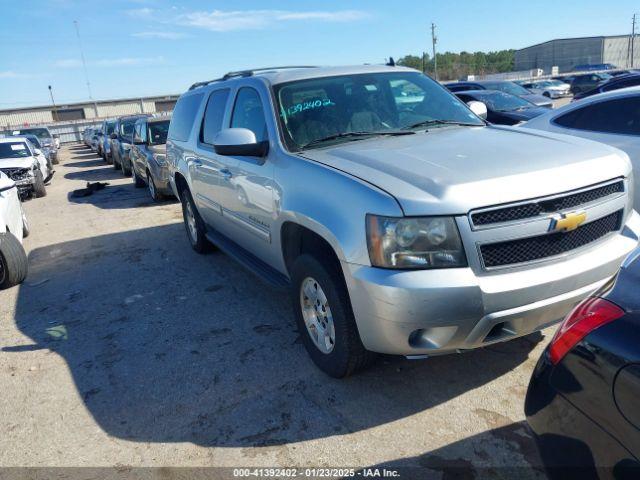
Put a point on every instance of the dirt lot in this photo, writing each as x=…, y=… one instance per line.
x=125, y=347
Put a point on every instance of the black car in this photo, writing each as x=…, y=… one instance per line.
x=503, y=86
x=615, y=83
x=589, y=81
x=503, y=108
x=583, y=402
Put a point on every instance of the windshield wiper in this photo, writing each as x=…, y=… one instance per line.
x=426, y=123
x=359, y=135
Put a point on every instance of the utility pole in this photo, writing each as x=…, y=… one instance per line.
x=434, y=40
x=633, y=37
x=84, y=67
x=53, y=102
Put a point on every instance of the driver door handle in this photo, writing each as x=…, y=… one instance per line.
x=226, y=173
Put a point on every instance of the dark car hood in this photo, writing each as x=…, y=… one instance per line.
x=524, y=115
x=536, y=99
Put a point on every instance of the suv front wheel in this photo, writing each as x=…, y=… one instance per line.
x=324, y=318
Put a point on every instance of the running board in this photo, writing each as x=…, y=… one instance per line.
x=248, y=260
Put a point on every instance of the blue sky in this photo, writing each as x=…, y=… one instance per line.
x=149, y=47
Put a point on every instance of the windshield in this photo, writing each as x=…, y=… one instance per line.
x=364, y=103
x=14, y=150
x=158, y=132
x=41, y=133
x=33, y=139
x=502, y=102
x=110, y=127
x=507, y=87
x=126, y=127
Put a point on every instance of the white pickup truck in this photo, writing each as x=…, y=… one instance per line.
x=13, y=228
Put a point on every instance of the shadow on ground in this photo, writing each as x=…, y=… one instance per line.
x=165, y=345
x=505, y=452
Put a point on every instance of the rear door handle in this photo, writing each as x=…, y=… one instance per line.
x=196, y=162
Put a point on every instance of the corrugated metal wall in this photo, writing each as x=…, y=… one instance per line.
x=617, y=51
x=565, y=54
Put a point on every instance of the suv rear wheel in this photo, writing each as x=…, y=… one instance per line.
x=193, y=223
x=324, y=318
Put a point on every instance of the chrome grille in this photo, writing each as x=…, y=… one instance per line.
x=539, y=207
x=543, y=246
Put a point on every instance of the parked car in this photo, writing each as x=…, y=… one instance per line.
x=583, y=398
x=616, y=83
x=108, y=127
x=87, y=133
x=13, y=228
x=148, y=156
x=549, y=88
x=612, y=118
x=590, y=67
x=406, y=228
x=503, y=86
x=45, y=150
x=25, y=165
x=121, y=142
x=45, y=137
x=503, y=108
x=589, y=81
x=96, y=138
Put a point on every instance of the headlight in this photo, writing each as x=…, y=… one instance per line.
x=414, y=243
x=160, y=158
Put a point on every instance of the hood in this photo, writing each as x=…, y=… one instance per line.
x=526, y=114
x=24, y=162
x=539, y=100
x=161, y=148
x=5, y=182
x=452, y=170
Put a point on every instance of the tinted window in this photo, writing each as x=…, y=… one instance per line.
x=615, y=116
x=248, y=113
x=627, y=82
x=183, y=116
x=213, y=115
x=14, y=150
x=158, y=132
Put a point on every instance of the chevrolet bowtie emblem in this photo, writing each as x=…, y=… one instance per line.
x=567, y=221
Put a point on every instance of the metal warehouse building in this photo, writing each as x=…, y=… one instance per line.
x=566, y=53
x=70, y=119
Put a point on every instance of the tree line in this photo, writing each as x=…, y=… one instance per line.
x=453, y=66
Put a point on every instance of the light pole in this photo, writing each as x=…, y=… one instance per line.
x=84, y=67
x=434, y=40
x=53, y=102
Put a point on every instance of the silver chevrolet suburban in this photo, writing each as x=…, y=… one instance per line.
x=401, y=221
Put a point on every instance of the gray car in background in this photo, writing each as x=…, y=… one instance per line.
x=400, y=221
x=148, y=156
x=45, y=137
x=108, y=127
x=121, y=142
x=502, y=86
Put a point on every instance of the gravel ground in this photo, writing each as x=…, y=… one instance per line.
x=123, y=347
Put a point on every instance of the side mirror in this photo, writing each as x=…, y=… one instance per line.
x=479, y=108
x=37, y=151
x=113, y=136
x=55, y=135
x=138, y=141
x=239, y=142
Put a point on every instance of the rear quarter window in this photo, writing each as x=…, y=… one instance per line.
x=184, y=116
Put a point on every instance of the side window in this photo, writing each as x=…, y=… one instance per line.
x=620, y=116
x=248, y=113
x=184, y=115
x=213, y=115
x=142, y=127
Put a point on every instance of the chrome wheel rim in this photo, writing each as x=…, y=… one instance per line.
x=317, y=315
x=191, y=222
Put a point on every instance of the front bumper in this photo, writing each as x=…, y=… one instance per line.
x=433, y=312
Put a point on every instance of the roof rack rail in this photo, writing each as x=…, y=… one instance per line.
x=247, y=73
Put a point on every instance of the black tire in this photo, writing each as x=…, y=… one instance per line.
x=13, y=261
x=137, y=181
x=39, y=190
x=198, y=240
x=126, y=171
x=156, y=196
x=348, y=354
x=116, y=165
x=546, y=94
x=55, y=160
